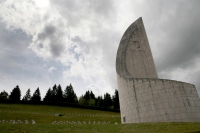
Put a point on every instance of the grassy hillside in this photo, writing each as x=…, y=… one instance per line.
x=16, y=118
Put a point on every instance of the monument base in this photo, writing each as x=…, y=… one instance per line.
x=157, y=100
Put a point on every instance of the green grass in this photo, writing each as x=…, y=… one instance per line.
x=45, y=116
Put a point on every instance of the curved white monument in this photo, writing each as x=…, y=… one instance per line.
x=143, y=97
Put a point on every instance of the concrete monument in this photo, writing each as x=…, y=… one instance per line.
x=143, y=96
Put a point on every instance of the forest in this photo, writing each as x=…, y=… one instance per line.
x=68, y=96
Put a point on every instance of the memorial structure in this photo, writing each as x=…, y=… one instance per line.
x=143, y=96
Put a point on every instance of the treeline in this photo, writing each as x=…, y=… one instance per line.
x=68, y=96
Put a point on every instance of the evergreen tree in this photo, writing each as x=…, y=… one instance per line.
x=59, y=94
x=48, y=96
x=3, y=95
x=54, y=92
x=70, y=95
x=107, y=101
x=92, y=96
x=116, y=100
x=87, y=95
x=99, y=101
x=96, y=102
x=15, y=94
x=91, y=101
x=27, y=96
x=36, y=95
x=86, y=98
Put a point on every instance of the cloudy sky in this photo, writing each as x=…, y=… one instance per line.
x=47, y=42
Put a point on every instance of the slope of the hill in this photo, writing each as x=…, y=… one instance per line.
x=17, y=118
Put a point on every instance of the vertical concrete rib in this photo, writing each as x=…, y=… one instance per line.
x=188, y=113
x=135, y=96
x=153, y=101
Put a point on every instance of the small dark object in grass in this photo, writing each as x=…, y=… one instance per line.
x=60, y=114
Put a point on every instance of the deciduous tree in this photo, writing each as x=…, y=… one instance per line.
x=3, y=95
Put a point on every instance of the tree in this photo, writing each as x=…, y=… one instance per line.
x=92, y=96
x=81, y=100
x=107, y=101
x=116, y=100
x=48, y=96
x=99, y=101
x=3, y=95
x=59, y=94
x=87, y=95
x=87, y=99
x=27, y=97
x=54, y=92
x=70, y=95
x=36, y=95
x=91, y=102
x=15, y=94
x=92, y=99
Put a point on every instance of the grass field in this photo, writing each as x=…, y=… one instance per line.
x=75, y=120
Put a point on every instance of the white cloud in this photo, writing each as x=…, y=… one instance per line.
x=84, y=36
x=51, y=35
x=51, y=69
